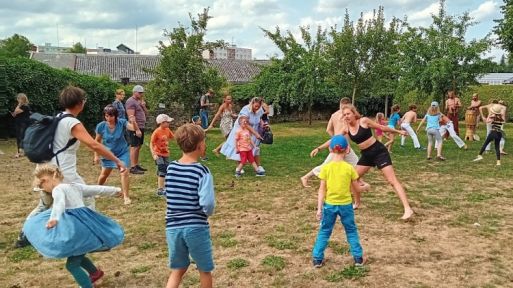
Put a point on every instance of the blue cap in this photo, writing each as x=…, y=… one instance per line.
x=338, y=143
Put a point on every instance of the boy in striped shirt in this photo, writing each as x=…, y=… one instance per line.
x=190, y=200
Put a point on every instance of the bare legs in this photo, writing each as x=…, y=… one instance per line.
x=104, y=174
x=134, y=155
x=176, y=277
x=390, y=142
x=389, y=174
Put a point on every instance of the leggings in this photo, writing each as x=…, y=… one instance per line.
x=433, y=136
x=20, y=132
x=74, y=264
x=496, y=137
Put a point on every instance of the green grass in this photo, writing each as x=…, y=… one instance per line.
x=237, y=263
x=349, y=272
x=274, y=262
x=23, y=254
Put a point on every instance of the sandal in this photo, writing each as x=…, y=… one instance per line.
x=441, y=158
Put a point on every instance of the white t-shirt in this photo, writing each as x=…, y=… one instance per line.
x=67, y=158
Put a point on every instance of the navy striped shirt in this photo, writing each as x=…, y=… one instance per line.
x=189, y=195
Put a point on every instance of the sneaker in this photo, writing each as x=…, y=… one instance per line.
x=135, y=170
x=160, y=192
x=238, y=174
x=358, y=261
x=261, y=169
x=22, y=242
x=96, y=275
x=478, y=158
x=260, y=174
x=317, y=263
x=498, y=163
x=421, y=148
x=242, y=171
x=141, y=168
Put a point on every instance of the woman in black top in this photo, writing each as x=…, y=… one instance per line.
x=21, y=116
x=496, y=119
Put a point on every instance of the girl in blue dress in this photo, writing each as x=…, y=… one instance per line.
x=70, y=230
x=254, y=112
x=111, y=133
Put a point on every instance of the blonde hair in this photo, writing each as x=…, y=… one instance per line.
x=22, y=98
x=433, y=110
x=379, y=116
x=189, y=136
x=119, y=91
x=352, y=109
x=241, y=118
x=46, y=170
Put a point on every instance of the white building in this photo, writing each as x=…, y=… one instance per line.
x=232, y=53
x=496, y=78
x=48, y=48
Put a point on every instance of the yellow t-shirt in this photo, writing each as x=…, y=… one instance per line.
x=338, y=176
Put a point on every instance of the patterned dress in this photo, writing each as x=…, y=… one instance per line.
x=226, y=122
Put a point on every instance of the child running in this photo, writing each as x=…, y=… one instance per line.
x=159, y=147
x=337, y=179
x=395, y=119
x=70, y=229
x=190, y=200
x=244, y=146
x=432, y=120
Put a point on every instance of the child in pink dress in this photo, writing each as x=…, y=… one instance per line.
x=244, y=146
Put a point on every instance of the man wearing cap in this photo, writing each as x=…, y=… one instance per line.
x=452, y=107
x=204, y=106
x=136, y=112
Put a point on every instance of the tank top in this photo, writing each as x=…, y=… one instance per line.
x=361, y=135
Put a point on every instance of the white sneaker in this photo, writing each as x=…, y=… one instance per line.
x=478, y=158
x=261, y=169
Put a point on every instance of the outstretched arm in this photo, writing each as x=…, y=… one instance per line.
x=93, y=190
x=375, y=125
x=420, y=124
x=218, y=114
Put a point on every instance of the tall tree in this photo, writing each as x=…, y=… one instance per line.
x=182, y=74
x=14, y=46
x=299, y=78
x=78, y=48
x=438, y=57
x=504, y=28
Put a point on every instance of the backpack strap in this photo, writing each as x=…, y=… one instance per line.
x=70, y=141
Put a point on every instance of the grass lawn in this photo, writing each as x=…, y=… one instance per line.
x=264, y=228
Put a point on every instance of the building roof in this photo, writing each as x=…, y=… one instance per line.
x=495, y=78
x=132, y=66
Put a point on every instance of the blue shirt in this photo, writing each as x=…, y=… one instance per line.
x=394, y=118
x=121, y=109
x=114, y=140
x=432, y=121
x=189, y=195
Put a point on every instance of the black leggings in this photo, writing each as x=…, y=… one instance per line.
x=20, y=132
x=496, y=137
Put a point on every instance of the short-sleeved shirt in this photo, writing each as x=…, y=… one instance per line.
x=67, y=158
x=160, y=141
x=140, y=116
x=338, y=176
x=114, y=140
x=121, y=109
x=243, y=140
x=432, y=121
x=392, y=122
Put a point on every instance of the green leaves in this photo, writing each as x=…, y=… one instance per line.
x=15, y=46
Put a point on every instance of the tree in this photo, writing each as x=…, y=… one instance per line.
x=504, y=28
x=15, y=46
x=182, y=76
x=437, y=58
x=77, y=48
x=299, y=78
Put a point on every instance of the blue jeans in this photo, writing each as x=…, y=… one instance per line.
x=329, y=217
x=204, y=118
x=193, y=241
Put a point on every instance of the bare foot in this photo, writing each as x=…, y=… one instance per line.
x=304, y=181
x=407, y=214
x=365, y=186
x=216, y=152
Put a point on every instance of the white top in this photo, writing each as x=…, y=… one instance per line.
x=68, y=158
x=69, y=196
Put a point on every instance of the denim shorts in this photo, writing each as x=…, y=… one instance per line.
x=193, y=241
x=162, y=163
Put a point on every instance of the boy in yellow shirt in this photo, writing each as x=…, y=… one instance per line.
x=337, y=179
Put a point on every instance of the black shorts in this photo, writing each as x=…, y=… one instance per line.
x=134, y=140
x=162, y=163
x=375, y=156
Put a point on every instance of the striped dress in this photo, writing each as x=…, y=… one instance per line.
x=189, y=195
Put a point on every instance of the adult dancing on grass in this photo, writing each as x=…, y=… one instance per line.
x=373, y=153
x=226, y=114
x=495, y=119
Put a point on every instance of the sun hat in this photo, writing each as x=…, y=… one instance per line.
x=338, y=143
x=138, y=88
x=496, y=109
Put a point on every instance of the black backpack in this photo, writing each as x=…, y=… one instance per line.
x=38, y=139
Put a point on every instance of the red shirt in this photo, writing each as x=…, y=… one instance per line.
x=160, y=141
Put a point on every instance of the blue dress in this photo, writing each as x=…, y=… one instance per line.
x=79, y=230
x=115, y=141
x=229, y=147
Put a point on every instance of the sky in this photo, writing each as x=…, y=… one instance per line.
x=139, y=24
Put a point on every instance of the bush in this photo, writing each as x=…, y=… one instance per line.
x=42, y=84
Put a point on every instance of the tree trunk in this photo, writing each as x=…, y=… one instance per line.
x=310, y=114
x=386, y=106
x=354, y=92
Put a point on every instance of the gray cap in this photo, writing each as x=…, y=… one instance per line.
x=138, y=88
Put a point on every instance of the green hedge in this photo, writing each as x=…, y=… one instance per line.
x=42, y=84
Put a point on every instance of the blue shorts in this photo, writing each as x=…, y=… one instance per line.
x=193, y=241
x=124, y=157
